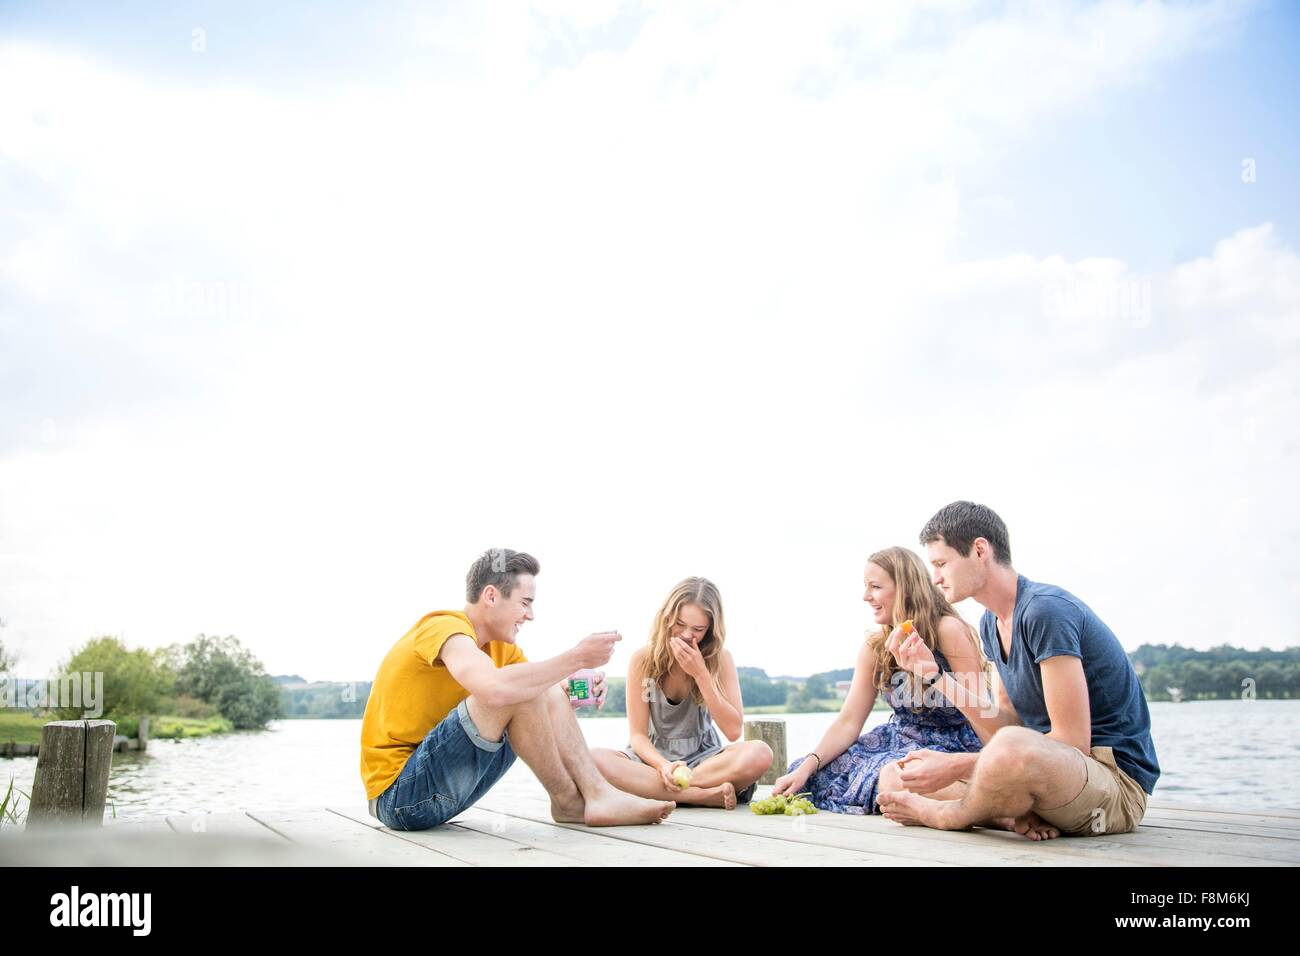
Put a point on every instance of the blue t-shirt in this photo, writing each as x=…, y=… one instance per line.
x=1048, y=622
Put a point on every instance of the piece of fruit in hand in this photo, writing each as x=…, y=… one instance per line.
x=682, y=777
x=907, y=626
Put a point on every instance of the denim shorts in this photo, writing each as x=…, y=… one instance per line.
x=451, y=769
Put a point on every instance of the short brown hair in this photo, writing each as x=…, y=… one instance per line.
x=499, y=567
x=961, y=522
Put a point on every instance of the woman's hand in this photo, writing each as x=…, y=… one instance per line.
x=910, y=653
x=666, y=774
x=793, y=783
x=690, y=659
x=925, y=771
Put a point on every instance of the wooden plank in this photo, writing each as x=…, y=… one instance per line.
x=1223, y=850
x=815, y=829
x=152, y=841
x=1152, y=847
x=473, y=846
x=223, y=825
x=319, y=827
x=1148, y=846
x=1286, y=813
x=867, y=833
x=750, y=849
x=592, y=846
x=1213, y=818
x=141, y=824
x=1225, y=829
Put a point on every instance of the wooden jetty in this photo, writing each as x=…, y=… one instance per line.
x=512, y=826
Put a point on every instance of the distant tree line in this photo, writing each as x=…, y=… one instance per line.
x=206, y=678
x=1169, y=671
x=216, y=676
x=322, y=699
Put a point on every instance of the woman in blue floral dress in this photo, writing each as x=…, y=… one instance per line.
x=847, y=770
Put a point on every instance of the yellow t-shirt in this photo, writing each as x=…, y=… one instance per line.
x=412, y=693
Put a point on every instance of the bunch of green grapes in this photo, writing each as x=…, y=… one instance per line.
x=794, y=806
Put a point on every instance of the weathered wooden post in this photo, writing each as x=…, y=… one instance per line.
x=772, y=732
x=142, y=735
x=71, y=784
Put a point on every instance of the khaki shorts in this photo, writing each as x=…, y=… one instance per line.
x=1110, y=802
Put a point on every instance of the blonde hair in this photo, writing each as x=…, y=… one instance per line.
x=916, y=598
x=659, y=656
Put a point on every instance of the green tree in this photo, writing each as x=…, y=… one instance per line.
x=616, y=696
x=803, y=699
x=135, y=681
x=1270, y=677
x=1229, y=677
x=1291, y=678
x=1157, y=680
x=222, y=672
x=760, y=691
x=1196, y=679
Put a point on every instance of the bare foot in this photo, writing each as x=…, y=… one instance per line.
x=612, y=808
x=914, y=810
x=567, y=811
x=1032, y=827
x=723, y=795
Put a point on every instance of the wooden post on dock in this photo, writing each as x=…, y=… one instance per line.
x=772, y=732
x=71, y=783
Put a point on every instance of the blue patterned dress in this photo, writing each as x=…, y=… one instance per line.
x=848, y=783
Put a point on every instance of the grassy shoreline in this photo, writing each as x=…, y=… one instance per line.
x=24, y=728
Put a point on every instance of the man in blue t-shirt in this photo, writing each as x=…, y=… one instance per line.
x=1073, y=752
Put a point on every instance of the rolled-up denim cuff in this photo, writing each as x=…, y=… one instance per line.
x=467, y=724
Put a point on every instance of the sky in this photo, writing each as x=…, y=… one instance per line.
x=303, y=308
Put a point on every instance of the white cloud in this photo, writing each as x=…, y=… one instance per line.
x=681, y=300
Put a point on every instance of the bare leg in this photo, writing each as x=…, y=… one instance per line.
x=740, y=764
x=549, y=741
x=603, y=805
x=1029, y=825
x=633, y=777
x=1018, y=771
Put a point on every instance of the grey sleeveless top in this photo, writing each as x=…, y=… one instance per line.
x=681, y=731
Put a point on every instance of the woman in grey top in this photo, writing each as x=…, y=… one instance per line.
x=687, y=681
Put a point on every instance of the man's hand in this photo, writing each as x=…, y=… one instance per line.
x=925, y=771
x=598, y=689
x=595, y=650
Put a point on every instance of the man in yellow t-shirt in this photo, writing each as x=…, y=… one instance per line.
x=455, y=701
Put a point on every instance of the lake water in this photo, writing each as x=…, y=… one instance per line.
x=1230, y=753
